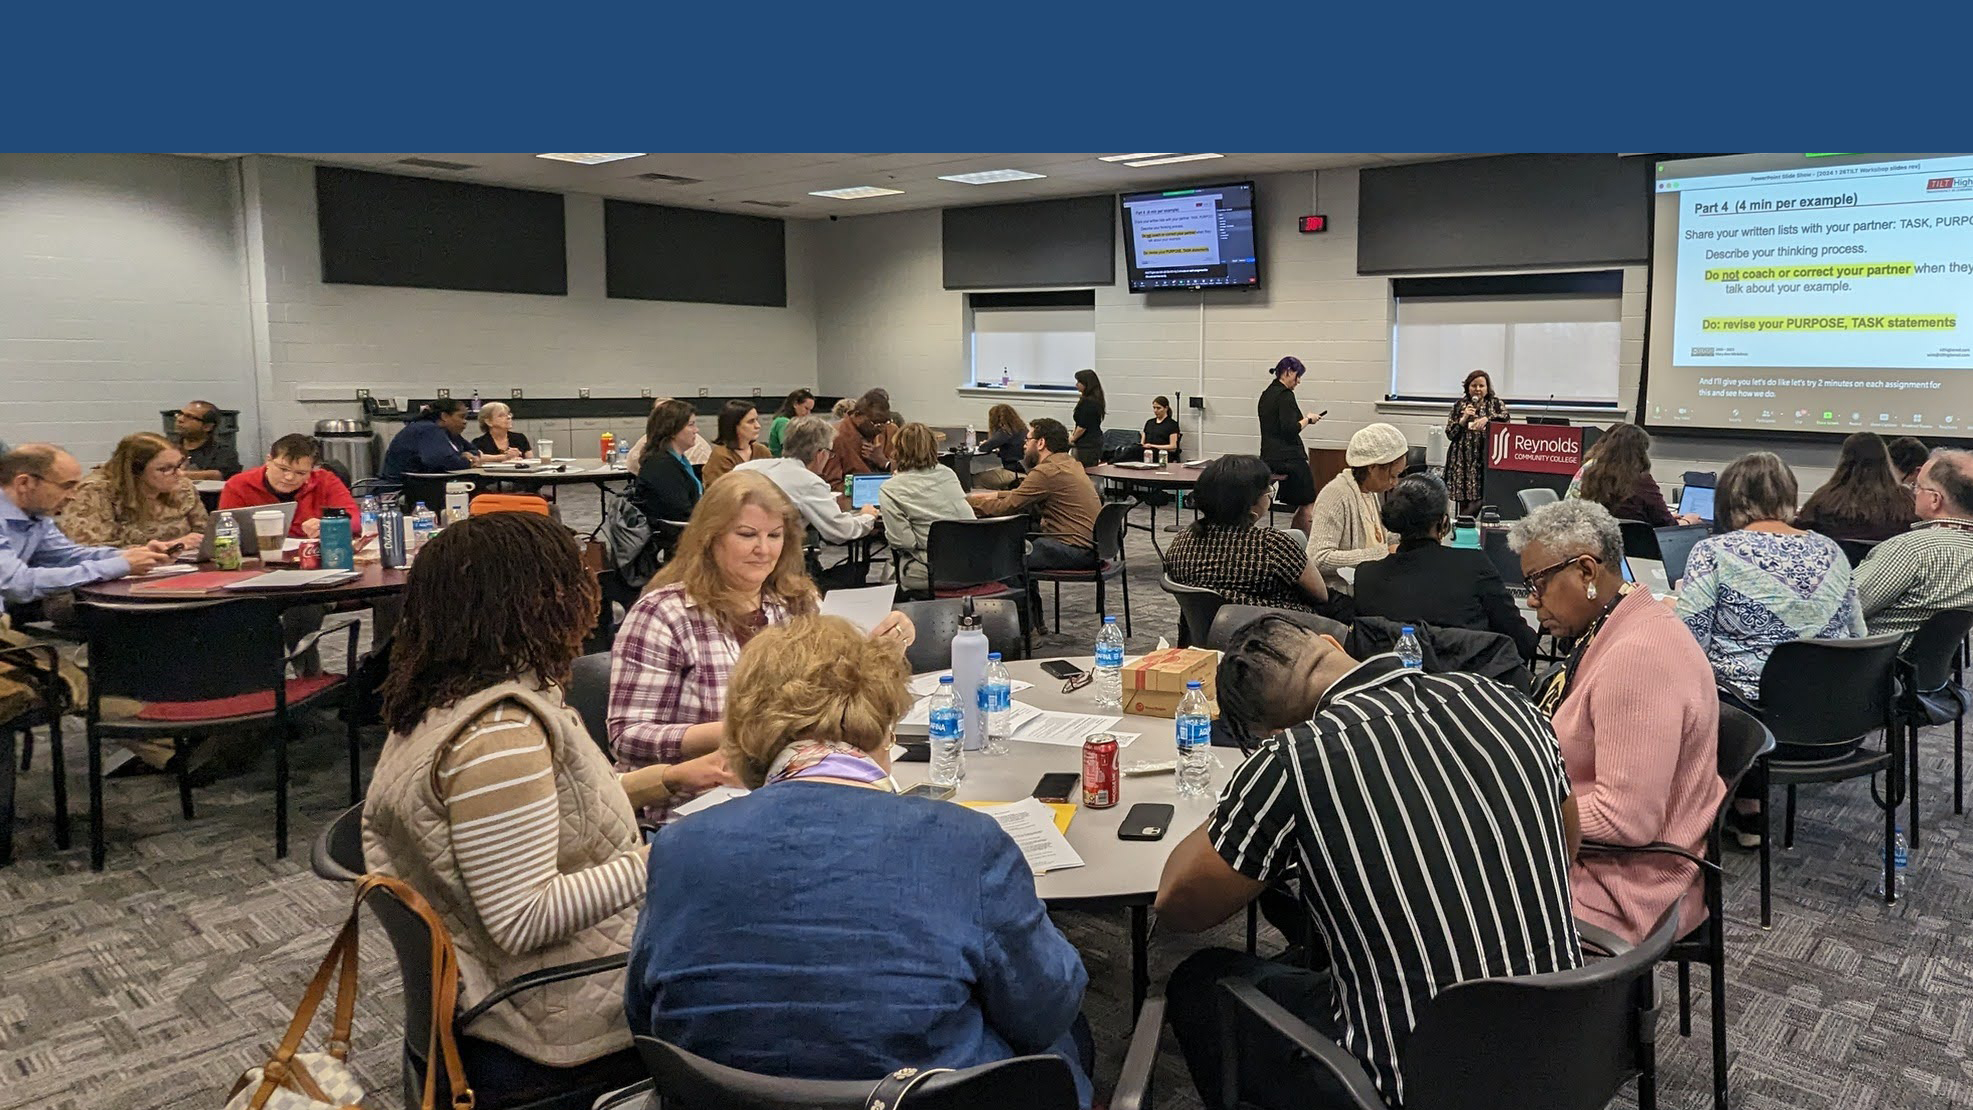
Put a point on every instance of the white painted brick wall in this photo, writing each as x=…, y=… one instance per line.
x=122, y=293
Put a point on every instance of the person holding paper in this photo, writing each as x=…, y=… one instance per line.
x=737, y=570
x=916, y=941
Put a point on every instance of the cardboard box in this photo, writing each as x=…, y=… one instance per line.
x=1154, y=683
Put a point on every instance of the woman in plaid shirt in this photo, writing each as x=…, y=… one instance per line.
x=737, y=570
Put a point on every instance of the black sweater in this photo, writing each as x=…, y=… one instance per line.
x=1281, y=424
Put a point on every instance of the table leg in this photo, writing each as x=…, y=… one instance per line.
x=1140, y=956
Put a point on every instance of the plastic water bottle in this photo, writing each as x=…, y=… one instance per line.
x=969, y=663
x=948, y=754
x=972, y=439
x=1110, y=666
x=475, y=408
x=458, y=501
x=1900, y=849
x=226, y=543
x=1409, y=653
x=997, y=699
x=1005, y=380
x=367, y=510
x=1195, y=740
x=424, y=524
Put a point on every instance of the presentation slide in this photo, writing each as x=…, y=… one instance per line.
x=1812, y=293
x=1191, y=238
x=1174, y=230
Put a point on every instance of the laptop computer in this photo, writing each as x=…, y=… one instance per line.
x=1675, y=543
x=1696, y=501
x=863, y=489
x=1493, y=541
x=242, y=519
x=1650, y=572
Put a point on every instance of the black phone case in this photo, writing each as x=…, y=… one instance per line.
x=1146, y=821
x=1061, y=669
x=1042, y=791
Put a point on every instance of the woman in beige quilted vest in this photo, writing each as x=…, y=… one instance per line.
x=493, y=802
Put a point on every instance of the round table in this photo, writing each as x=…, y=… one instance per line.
x=1115, y=873
x=371, y=580
x=561, y=472
x=1172, y=477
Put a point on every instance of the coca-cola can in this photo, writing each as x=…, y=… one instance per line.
x=310, y=555
x=1101, y=781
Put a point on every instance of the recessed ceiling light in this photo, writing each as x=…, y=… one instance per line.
x=1171, y=158
x=856, y=192
x=588, y=159
x=990, y=177
x=1129, y=157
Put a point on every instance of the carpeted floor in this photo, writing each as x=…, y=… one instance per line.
x=154, y=983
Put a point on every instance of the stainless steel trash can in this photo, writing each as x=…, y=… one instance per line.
x=350, y=443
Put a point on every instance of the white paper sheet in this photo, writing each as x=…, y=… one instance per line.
x=710, y=799
x=862, y=607
x=925, y=685
x=289, y=579
x=1067, y=729
x=921, y=714
x=1032, y=825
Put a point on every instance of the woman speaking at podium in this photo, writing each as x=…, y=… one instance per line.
x=1282, y=422
x=1466, y=440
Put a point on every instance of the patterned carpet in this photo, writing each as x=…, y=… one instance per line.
x=156, y=982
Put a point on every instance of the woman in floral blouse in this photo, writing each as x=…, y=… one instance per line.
x=138, y=496
x=1466, y=440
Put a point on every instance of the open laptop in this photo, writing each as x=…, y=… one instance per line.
x=863, y=489
x=243, y=519
x=1650, y=572
x=1675, y=543
x=1696, y=501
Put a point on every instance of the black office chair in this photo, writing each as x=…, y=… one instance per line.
x=227, y=673
x=1929, y=693
x=1856, y=550
x=1232, y=617
x=682, y=1080
x=1197, y=606
x=1532, y=499
x=1567, y=1040
x=1640, y=540
x=589, y=695
x=1742, y=741
x=1109, y=536
x=37, y=666
x=1820, y=698
x=338, y=857
x=1120, y=444
x=982, y=559
x=938, y=620
x=429, y=490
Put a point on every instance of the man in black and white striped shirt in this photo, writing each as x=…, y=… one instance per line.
x=1907, y=578
x=1429, y=819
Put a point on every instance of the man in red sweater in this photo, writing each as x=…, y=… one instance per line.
x=290, y=474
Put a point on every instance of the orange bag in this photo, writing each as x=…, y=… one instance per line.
x=509, y=503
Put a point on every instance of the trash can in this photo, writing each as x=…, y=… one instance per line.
x=351, y=444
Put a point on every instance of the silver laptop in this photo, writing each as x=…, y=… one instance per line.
x=243, y=519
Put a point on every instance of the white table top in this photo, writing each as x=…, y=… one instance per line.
x=583, y=471
x=1120, y=870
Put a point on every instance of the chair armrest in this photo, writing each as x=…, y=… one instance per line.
x=1656, y=847
x=579, y=970
x=1605, y=942
x=42, y=659
x=1134, y=1085
x=1326, y=1053
x=641, y=1095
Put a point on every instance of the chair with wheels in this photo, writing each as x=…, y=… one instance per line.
x=1109, y=536
x=1566, y=1040
x=938, y=620
x=1197, y=606
x=1742, y=741
x=1535, y=498
x=984, y=558
x=227, y=673
x=1820, y=698
x=1929, y=693
x=1122, y=444
x=338, y=857
x=589, y=696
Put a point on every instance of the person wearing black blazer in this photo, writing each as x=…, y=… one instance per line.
x=667, y=488
x=1426, y=582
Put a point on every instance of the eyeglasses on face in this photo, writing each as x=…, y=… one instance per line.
x=1537, y=581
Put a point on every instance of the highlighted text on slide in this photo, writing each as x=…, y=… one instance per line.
x=1938, y=322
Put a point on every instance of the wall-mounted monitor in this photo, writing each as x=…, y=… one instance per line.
x=1203, y=236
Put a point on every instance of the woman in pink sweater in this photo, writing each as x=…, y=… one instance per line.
x=1637, y=713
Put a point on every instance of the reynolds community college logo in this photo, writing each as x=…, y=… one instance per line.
x=1535, y=447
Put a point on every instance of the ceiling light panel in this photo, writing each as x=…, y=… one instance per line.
x=991, y=177
x=856, y=192
x=588, y=159
x=1130, y=157
x=1170, y=159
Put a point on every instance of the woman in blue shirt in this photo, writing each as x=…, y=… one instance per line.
x=433, y=442
x=824, y=927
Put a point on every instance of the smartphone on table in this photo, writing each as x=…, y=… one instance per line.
x=1061, y=668
x=930, y=790
x=1146, y=821
x=1059, y=786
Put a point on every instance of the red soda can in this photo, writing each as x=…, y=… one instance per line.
x=310, y=555
x=1100, y=778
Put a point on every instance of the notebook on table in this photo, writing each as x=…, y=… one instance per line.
x=196, y=584
x=292, y=579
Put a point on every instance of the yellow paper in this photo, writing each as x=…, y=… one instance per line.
x=1064, y=812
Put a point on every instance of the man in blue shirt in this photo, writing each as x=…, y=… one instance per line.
x=36, y=559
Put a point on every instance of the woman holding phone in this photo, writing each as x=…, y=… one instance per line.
x=1282, y=421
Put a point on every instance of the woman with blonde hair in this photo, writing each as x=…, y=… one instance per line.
x=761, y=955
x=737, y=570
x=919, y=493
x=498, y=440
x=140, y=495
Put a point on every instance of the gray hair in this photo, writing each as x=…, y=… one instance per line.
x=805, y=435
x=1570, y=528
x=1952, y=472
x=490, y=410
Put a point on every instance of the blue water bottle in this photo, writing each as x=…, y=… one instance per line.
x=338, y=546
x=390, y=535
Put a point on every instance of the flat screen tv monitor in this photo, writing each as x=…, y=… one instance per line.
x=1198, y=237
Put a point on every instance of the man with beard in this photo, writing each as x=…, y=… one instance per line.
x=1058, y=491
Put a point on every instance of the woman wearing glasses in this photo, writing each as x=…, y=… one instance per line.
x=1635, y=710
x=140, y=495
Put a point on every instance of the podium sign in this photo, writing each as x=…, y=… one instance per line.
x=1530, y=456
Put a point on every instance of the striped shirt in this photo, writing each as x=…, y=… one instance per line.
x=1424, y=812
x=1907, y=578
x=497, y=783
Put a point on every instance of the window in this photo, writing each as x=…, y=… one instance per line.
x=1031, y=339
x=1541, y=338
